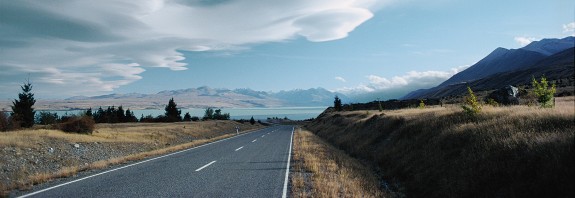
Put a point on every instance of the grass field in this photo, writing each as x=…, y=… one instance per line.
x=515, y=151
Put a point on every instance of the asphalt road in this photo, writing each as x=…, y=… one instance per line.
x=250, y=165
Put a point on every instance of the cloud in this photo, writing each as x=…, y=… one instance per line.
x=338, y=78
x=105, y=44
x=569, y=28
x=523, y=41
x=397, y=86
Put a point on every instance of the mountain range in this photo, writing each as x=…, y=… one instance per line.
x=554, y=58
x=200, y=97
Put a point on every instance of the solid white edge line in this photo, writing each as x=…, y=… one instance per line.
x=239, y=148
x=119, y=168
x=288, y=164
x=199, y=169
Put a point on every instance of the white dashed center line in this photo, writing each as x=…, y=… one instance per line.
x=239, y=148
x=254, y=140
x=199, y=169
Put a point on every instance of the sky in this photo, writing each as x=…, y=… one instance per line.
x=366, y=49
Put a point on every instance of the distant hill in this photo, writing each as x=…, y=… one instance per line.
x=553, y=58
x=200, y=97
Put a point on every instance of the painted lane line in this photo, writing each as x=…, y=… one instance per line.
x=287, y=166
x=254, y=140
x=263, y=135
x=199, y=169
x=120, y=168
x=239, y=148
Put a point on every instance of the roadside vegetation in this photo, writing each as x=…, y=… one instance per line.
x=500, y=151
x=321, y=170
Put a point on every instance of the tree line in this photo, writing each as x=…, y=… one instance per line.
x=23, y=115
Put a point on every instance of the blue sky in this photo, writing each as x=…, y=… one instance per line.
x=363, y=48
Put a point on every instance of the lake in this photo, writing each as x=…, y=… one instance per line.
x=293, y=113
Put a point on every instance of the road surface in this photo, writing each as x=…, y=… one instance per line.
x=250, y=165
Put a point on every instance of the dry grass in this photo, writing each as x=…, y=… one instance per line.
x=442, y=152
x=176, y=136
x=320, y=170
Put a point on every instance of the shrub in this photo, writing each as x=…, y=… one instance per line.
x=195, y=118
x=78, y=124
x=421, y=104
x=471, y=106
x=4, y=121
x=543, y=92
x=47, y=118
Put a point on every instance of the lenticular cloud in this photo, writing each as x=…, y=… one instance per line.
x=67, y=42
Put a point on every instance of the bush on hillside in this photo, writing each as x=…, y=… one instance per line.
x=4, y=121
x=78, y=124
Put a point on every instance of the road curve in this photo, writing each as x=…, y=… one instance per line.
x=250, y=165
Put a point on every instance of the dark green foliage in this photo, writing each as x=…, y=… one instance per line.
x=46, y=118
x=120, y=114
x=22, y=111
x=130, y=117
x=78, y=124
x=4, y=121
x=195, y=118
x=218, y=115
x=89, y=112
x=252, y=120
x=187, y=117
x=113, y=115
x=173, y=114
x=211, y=114
x=337, y=103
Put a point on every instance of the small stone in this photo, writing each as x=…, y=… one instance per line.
x=76, y=146
x=50, y=150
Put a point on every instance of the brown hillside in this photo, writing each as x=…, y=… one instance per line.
x=514, y=151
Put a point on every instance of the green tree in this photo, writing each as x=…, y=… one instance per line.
x=46, y=118
x=252, y=120
x=543, y=92
x=22, y=111
x=208, y=114
x=421, y=104
x=337, y=104
x=471, y=106
x=187, y=117
x=173, y=114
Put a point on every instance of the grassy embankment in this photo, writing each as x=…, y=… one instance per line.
x=156, y=138
x=515, y=151
x=320, y=170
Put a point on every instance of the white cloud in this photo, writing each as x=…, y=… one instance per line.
x=569, y=28
x=523, y=41
x=105, y=44
x=398, y=86
x=338, y=78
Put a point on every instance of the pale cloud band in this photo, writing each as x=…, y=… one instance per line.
x=397, y=86
x=105, y=44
